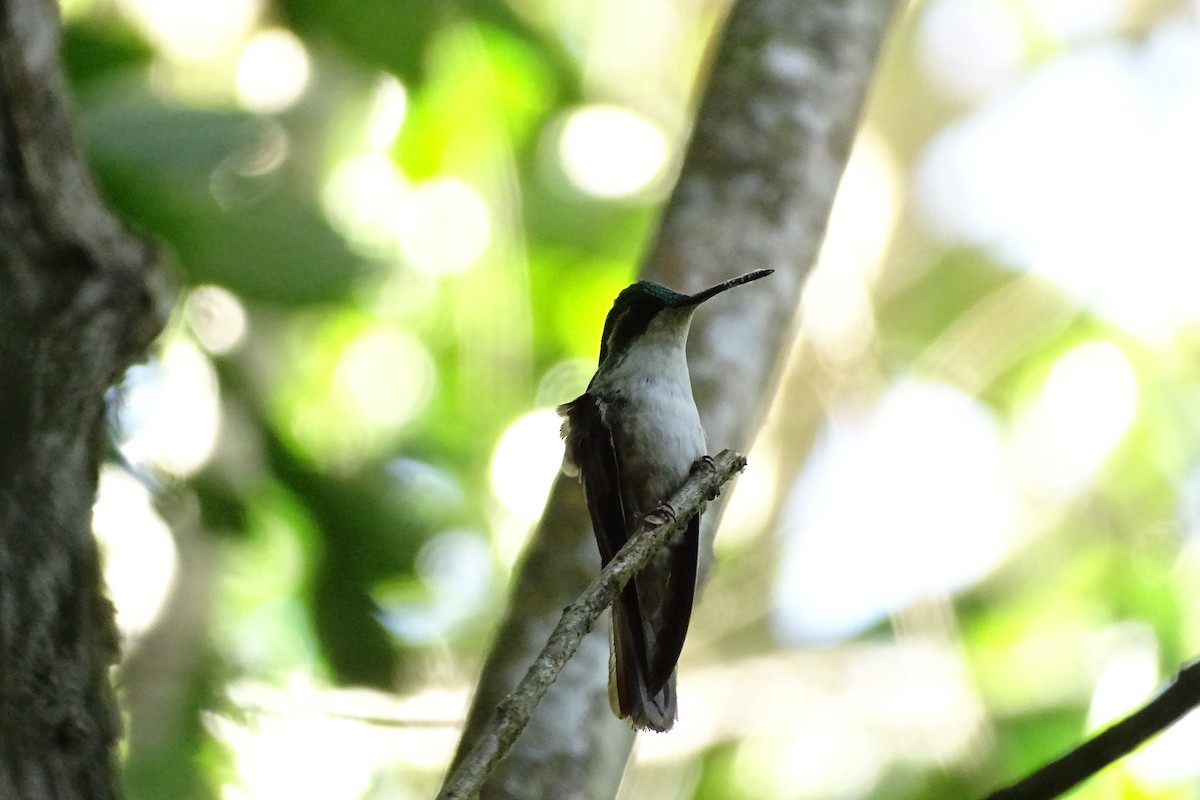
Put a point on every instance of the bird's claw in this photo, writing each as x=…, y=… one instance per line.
x=661, y=515
x=706, y=463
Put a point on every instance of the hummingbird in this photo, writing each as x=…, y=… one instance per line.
x=633, y=438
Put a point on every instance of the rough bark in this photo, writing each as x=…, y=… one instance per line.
x=78, y=303
x=771, y=139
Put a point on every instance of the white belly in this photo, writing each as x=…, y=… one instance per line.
x=654, y=419
x=658, y=441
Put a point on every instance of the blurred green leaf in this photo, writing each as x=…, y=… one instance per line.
x=367, y=534
x=218, y=188
x=395, y=35
x=94, y=53
x=391, y=34
x=488, y=94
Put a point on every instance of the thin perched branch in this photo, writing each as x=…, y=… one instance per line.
x=1180, y=697
x=577, y=620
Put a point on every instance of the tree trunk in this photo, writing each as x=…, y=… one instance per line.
x=78, y=303
x=771, y=139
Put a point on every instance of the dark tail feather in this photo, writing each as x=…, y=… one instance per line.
x=628, y=682
x=678, y=598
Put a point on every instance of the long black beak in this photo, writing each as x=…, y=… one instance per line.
x=700, y=297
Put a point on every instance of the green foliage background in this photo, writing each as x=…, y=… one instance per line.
x=318, y=522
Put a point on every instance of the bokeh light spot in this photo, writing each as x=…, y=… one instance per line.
x=272, y=72
x=909, y=500
x=387, y=375
x=969, y=48
x=168, y=412
x=1084, y=410
x=304, y=753
x=1009, y=178
x=217, y=318
x=826, y=756
x=611, y=152
x=388, y=110
x=194, y=31
x=139, y=553
x=444, y=225
x=1170, y=757
x=1128, y=677
x=1077, y=20
x=456, y=568
x=751, y=502
x=526, y=460
x=361, y=198
x=281, y=736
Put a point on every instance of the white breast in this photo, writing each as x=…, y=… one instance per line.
x=659, y=435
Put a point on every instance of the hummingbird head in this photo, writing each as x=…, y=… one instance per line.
x=643, y=302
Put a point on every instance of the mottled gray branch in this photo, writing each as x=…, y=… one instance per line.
x=80, y=299
x=578, y=619
x=771, y=139
x=1112, y=743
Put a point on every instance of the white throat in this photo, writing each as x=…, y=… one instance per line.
x=659, y=355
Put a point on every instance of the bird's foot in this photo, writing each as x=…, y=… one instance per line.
x=660, y=515
x=705, y=463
